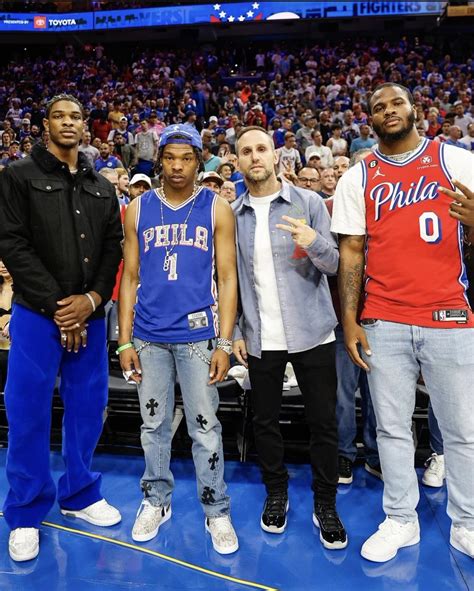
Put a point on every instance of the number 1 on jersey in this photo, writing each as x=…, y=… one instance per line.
x=430, y=227
x=173, y=262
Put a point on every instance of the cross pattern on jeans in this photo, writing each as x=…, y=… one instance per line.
x=208, y=495
x=152, y=404
x=213, y=460
x=201, y=420
x=146, y=488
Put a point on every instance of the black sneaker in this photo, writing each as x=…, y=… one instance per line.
x=375, y=470
x=345, y=470
x=331, y=531
x=273, y=518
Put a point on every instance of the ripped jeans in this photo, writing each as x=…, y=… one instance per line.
x=161, y=364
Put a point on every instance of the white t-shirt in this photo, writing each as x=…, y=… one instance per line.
x=348, y=214
x=288, y=159
x=272, y=329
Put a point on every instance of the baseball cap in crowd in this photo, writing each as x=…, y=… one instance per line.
x=212, y=175
x=219, y=130
x=213, y=118
x=181, y=133
x=136, y=178
x=25, y=120
x=313, y=154
x=123, y=118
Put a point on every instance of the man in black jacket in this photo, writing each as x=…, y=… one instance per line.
x=60, y=233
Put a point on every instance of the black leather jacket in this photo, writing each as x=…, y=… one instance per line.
x=59, y=233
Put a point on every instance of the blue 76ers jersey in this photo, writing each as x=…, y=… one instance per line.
x=177, y=305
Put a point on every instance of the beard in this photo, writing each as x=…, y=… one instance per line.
x=390, y=137
x=258, y=176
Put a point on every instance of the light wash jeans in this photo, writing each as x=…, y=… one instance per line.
x=436, y=439
x=161, y=363
x=349, y=377
x=445, y=357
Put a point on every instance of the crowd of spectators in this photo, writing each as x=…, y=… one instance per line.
x=313, y=101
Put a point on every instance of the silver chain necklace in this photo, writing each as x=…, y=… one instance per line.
x=168, y=251
x=403, y=155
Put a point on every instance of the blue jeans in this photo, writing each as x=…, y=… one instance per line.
x=446, y=359
x=436, y=439
x=36, y=358
x=349, y=377
x=161, y=363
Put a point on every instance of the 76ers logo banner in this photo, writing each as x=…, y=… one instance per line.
x=228, y=14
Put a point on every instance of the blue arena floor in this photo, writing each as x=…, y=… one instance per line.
x=75, y=556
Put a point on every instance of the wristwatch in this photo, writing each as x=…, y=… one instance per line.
x=225, y=345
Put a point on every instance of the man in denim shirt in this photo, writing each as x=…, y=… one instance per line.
x=284, y=252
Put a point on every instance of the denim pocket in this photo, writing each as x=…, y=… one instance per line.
x=369, y=323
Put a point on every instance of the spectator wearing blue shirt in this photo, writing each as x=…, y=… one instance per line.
x=364, y=141
x=105, y=159
x=454, y=135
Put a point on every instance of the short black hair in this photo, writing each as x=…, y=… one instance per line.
x=406, y=90
x=63, y=97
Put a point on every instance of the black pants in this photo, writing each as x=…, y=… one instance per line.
x=315, y=371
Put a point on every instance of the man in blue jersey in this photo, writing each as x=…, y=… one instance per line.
x=176, y=239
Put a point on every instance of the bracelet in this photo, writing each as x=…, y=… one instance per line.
x=124, y=347
x=91, y=300
x=225, y=345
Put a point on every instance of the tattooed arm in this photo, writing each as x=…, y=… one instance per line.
x=351, y=273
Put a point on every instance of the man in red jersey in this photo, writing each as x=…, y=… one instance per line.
x=398, y=225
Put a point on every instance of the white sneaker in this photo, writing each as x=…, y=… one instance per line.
x=100, y=513
x=23, y=543
x=148, y=521
x=223, y=536
x=384, y=544
x=435, y=471
x=462, y=539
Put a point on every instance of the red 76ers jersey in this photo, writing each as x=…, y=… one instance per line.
x=414, y=258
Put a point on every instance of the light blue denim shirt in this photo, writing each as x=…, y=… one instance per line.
x=305, y=301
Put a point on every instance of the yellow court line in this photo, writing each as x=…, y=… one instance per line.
x=158, y=555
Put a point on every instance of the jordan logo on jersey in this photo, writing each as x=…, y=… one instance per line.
x=378, y=172
x=396, y=196
x=174, y=234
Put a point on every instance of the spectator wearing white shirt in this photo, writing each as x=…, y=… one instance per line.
x=461, y=119
x=337, y=144
x=87, y=149
x=468, y=139
x=327, y=159
x=289, y=159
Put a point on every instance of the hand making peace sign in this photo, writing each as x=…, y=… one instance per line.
x=302, y=234
x=462, y=208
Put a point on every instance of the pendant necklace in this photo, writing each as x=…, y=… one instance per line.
x=168, y=251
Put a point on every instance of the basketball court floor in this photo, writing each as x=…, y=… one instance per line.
x=76, y=556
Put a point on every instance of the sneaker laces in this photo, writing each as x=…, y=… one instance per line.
x=434, y=464
x=276, y=504
x=389, y=528
x=345, y=463
x=145, y=508
x=329, y=517
x=222, y=528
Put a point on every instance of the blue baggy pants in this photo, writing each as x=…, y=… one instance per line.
x=36, y=359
